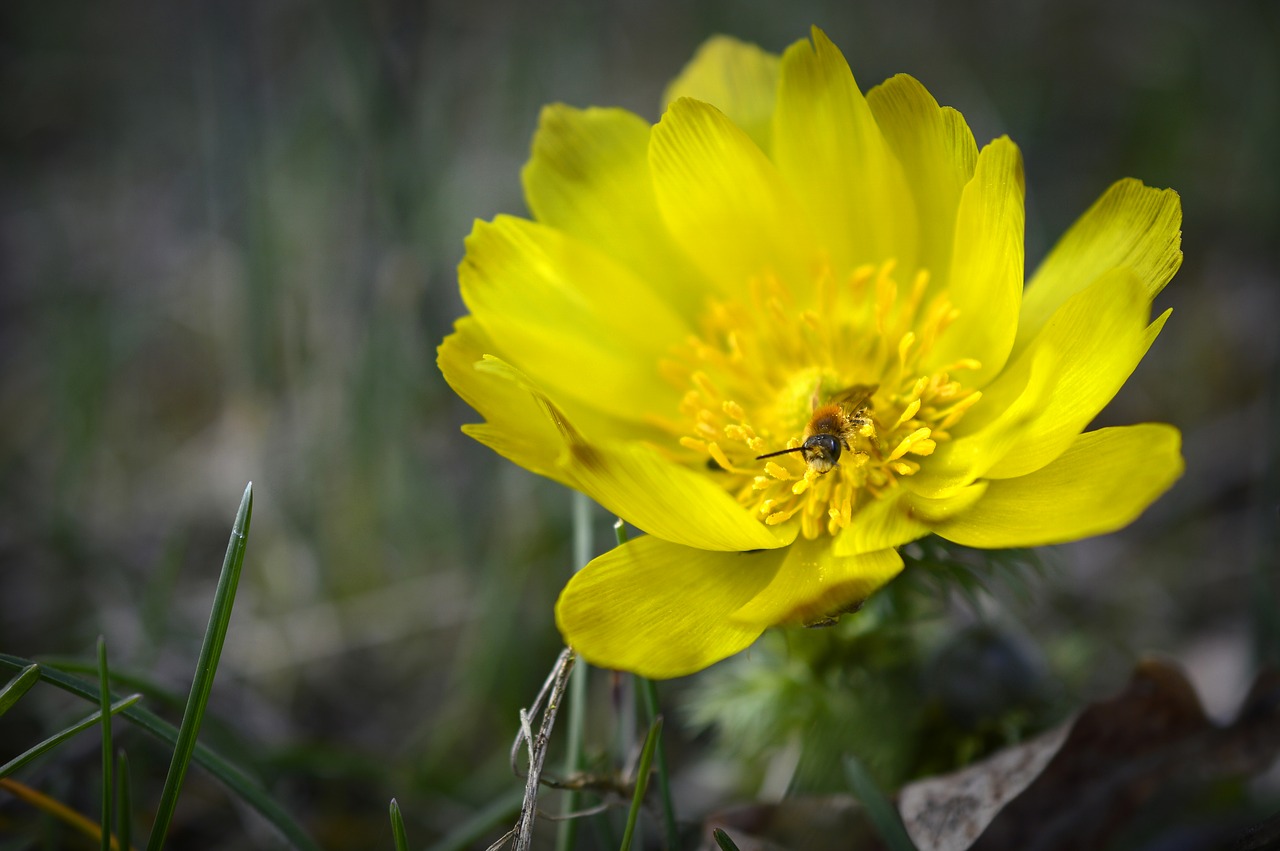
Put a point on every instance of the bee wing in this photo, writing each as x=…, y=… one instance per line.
x=855, y=397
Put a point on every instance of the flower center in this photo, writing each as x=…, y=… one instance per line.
x=832, y=393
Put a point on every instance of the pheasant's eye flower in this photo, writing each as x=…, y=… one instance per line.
x=784, y=331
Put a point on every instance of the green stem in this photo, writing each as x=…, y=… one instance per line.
x=576, y=721
x=108, y=752
x=650, y=692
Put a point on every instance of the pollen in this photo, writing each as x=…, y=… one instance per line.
x=831, y=379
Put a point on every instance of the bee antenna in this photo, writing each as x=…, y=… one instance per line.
x=779, y=452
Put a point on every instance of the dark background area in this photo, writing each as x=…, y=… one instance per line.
x=228, y=235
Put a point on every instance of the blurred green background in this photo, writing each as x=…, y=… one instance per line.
x=228, y=235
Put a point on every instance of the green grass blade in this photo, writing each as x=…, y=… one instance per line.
x=723, y=840
x=397, y=828
x=650, y=692
x=207, y=666
x=884, y=817
x=227, y=773
x=104, y=698
x=642, y=781
x=58, y=738
x=18, y=686
x=124, y=803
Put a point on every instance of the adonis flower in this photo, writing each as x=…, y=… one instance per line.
x=781, y=263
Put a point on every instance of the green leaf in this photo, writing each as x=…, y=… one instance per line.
x=397, y=828
x=642, y=781
x=207, y=666
x=104, y=698
x=881, y=812
x=124, y=803
x=230, y=775
x=58, y=738
x=18, y=686
x=723, y=840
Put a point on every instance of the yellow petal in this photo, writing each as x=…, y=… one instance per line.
x=1102, y=483
x=881, y=523
x=724, y=202
x=517, y=427
x=985, y=283
x=1131, y=225
x=632, y=480
x=584, y=326
x=589, y=176
x=1100, y=335
x=938, y=156
x=737, y=78
x=829, y=149
x=660, y=609
x=814, y=584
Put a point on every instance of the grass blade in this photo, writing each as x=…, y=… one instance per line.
x=642, y=781
x=650, y=692
x=723, y=840
x=104, y=703
x=228, y=774
x=18, y=686
x=207, y=666
x=397, y=828
x=884, y=817
x=124, y=803
x=58, y=738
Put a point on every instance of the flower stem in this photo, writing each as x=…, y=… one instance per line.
x=577, y=680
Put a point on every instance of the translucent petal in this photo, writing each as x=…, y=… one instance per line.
x=737, y=78
x=663, y=610
x=1099, y=335
x=938, y=155
x=635, y=482
x=725, y=203
x=585, y=327
x=1102, y=483
x=985, y=283
x=813, y=584
x=1131, y=225
x=829, y=149
x=589, y=176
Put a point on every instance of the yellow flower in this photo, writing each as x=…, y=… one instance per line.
x=781, y=258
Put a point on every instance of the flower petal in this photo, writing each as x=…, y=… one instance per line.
x=724, y=202
x=1131, y=225
x=985, y=282
x=1102, y=483
x=938, y=156
x=1100, y=335
x=829, y=148
x=585, y=327
x=517, y=428
x=660, y=609
x=589, y=176
x=735, y=77
x=884, y=522
x=630, y=479
x=814, y=584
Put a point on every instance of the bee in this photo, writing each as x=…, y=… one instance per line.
x=832, y=428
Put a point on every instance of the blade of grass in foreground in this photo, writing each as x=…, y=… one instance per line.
x=18, y=686
x=230, y=775
x=104, y=698
x=124, y=801
x=397, y=828
x=58, y=738
x=723, y=840
x=884, y=817
x=642, y=781
x=210, y=651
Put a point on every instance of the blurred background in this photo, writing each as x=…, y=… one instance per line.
x=228, y=236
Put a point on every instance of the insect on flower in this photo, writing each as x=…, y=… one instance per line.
x=833, y=428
